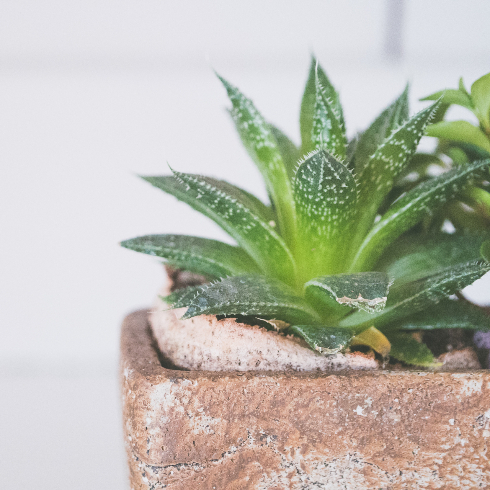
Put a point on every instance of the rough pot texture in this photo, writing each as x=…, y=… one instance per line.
x=206, y=344
x=293, y=430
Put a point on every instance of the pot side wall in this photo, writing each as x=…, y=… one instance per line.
x=263, y=430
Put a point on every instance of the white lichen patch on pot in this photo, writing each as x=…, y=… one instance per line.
x=206, y=344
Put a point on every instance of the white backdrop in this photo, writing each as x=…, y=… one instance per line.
x=94, y=92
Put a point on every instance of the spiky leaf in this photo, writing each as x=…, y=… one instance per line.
x=328, y=131
x=252, y=295
x=410, y=209
x=323, y=339
x=382, y=127
x=461, y=131
x=422, y=255
x=256, y=236
x=377, y=177
x=261, y=144
x=325, y=196
x=289, y=152
x=406, y=349
x=365, y=290
x=480, y=93
x=408, y=298
x=183, y=297
x=307, y=113
x=201, y=255
x=448, y=314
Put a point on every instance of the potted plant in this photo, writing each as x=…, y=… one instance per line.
x=261, y=366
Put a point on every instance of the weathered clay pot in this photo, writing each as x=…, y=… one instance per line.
x=290, y=430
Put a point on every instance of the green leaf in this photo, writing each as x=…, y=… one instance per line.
x=448, y=314
x=377, y=177
x=328, y=131
x=408, y=298
x=451, y=96
x=252, y=295
x=262, y=146
x=461, y=86
x=365, y=290
x=308, y=104
x=461, y=131
x=325, y=196
x=323, y=339
x=485, y=250
x=195, y=254
x=406, y=349
x=289, y=152
x=382, y=127
x=182, y=297
x=251, y=232
x=480, y=93
x=423, y=255
x=409, y=209
x=373, y=338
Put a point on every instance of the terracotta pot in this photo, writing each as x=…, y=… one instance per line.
x=286, y=430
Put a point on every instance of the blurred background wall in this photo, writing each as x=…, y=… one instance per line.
x=93, y=93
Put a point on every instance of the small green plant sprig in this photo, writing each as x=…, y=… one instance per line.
x=461, y=142
x=333, y=258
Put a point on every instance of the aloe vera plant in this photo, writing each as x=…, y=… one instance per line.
x=333, y=256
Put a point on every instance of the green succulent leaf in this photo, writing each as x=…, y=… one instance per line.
x=451, y=96
x=325, y=340
x=448, y=314
x=328, y=131
x=251, y=232
x=182, y=297
x=485, y=250
x=289, y=152
x=307, y=113
x=409, y=209
x=388, y=161
x=365, y=290
x=201, y=255
x=262, y=146
x=423, y=255
x=382, y=127
x=461, y=131
x=252, y=295
x=480, y=93
x=325, y=195
x=408, y=298
x=406, y=349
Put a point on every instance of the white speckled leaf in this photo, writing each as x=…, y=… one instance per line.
x=420, y=255
x=325, y=195
x=381, y=128
x=323, y=339
x=261, y=144
x=308, y=104
x=365, y=290
x=251, y=295
x=410, y=209
x=328, y=130
x=406, y=299
x=253, y=234
x=195, y=254
x=378, y=175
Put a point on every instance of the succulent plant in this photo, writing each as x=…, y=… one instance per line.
x=334, y=258
x=460, y=142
